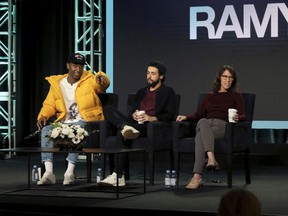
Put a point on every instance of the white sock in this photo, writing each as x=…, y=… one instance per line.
x=48, y=166
x=70, y=168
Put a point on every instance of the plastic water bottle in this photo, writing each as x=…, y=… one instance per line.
x=99, y=175
x=35, y=174
x=173, y=180
x=39, y=173
x=167, y=178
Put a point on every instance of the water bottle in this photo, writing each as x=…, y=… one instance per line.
x=99, y=175
x=39, y=173
x=167, y=179
x=35, y=175
x=173, y=180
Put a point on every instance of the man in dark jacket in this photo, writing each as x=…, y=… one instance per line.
x=156, y=103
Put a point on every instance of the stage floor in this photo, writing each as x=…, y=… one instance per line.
x=269, y=183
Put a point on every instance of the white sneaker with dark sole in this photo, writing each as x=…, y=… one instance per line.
x=68, y=179
x=129, y=132
x=48, y=178
x=111, y=180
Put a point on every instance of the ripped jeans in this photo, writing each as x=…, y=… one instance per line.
x=46, y=142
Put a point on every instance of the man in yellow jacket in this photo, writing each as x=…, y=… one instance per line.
x=73, y=98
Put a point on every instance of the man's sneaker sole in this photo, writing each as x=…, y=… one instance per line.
x=68, y=179
x=111, y=181
x=106, y=184
x=129, y=134
x=47, y=179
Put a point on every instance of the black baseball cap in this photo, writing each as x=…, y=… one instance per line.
x=77, y=58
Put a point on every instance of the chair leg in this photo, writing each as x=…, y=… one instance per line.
x=126, y=169
x=229, y=171
x=177, y=166
x=151, y=167
x=104, y=158
x=247, y=167
x=172, y=167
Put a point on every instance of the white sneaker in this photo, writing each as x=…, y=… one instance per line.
x=69, y=179
x=47, y=178
x=129, y=132
x=112, y=181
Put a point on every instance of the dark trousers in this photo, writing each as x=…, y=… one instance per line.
x=119, y=120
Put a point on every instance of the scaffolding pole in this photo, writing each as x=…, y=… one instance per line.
x=89, y=32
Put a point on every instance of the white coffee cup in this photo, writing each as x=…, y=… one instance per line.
x=139, y=113
x=231, y=113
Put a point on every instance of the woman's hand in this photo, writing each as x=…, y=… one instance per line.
x=236, y=118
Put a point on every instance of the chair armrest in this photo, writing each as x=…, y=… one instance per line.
x=158, y=128
x=92, y=141
x=92, y=127
x=239, y=136
x=182, y=130
x=105, y=130
x=159, y=135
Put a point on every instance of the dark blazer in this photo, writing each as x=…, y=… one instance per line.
x=165, y=109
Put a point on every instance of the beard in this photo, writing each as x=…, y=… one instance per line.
x=153, y=83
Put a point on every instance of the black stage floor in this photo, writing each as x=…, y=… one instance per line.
x=269, y=183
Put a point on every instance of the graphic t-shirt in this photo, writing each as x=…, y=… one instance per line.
x=68, y=92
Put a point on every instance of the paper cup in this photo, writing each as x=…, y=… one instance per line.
x=139, y=113
x=231, y=113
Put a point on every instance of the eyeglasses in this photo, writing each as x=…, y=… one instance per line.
x=227, y=77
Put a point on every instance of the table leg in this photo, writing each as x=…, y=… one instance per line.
x=88, y=166
x=117, y=180
x=144, y=171
x=29, y=170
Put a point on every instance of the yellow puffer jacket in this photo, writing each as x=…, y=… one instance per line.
x=89, y=104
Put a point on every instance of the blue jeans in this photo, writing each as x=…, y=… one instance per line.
x=47, y=143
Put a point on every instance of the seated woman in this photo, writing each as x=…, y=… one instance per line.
x=211, y=117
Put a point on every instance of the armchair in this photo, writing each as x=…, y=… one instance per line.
x=237, y=140
x=92, y=127
x=158, y=139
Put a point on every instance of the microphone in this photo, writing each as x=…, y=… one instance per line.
x=33, y=134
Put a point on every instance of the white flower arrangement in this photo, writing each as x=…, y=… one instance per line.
x=66, y=134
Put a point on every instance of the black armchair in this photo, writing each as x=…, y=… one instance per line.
x=158, y=139
x=92, y=127
x=238, y=139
